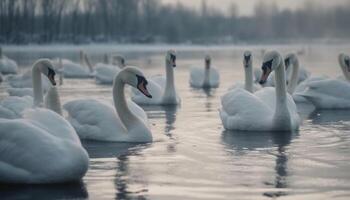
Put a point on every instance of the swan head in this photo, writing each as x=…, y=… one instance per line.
x=171, y=58
x=347, y=62
x=46, y=67
x=247, y=58
x=271, y=61
x=289, y=59
x=134, y=77
x=207, y=61
x=118, y=60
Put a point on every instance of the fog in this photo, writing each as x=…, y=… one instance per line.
x=151, y=21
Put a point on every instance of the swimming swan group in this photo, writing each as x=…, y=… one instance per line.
x=35, y=131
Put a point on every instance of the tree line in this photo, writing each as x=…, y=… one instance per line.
x=149, y=21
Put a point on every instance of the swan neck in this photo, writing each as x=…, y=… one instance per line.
x=294, y=77
x=126, y=116
x=52, y=100
x=169, y=92
x=206, y=81
x=281, y=93
x=248, y=85
x=37, y=86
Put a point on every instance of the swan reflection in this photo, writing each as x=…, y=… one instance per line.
x=275, y=143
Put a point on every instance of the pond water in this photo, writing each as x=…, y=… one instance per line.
x=192, y=156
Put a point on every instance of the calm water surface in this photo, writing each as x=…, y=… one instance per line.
x=192, y=156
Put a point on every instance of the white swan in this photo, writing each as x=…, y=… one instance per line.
x=41, y=66
x=42, y=147
x=7, y=66
x=94, y=120
x=330, y=93
x=162, y=88
x=248, y=85
x=75, y=70
x=105, y=72
x=207, y=77
x=242, y=110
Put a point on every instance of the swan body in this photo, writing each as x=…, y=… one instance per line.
x=7, y=66
x=25, y=81
x=95, y=120
x=249, y=84
x=162, y=88
x=328, y=93
x=104, y=72
x=42, y=147
x=204, y=78
x=269, y=109
x=75, y=70
x=12, y=107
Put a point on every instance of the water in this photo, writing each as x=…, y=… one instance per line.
x=192, y=156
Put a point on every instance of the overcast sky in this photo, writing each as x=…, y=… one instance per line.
x=246, y=7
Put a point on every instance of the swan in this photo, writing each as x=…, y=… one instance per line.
x=302, y=74
x=205, y=78
x=242, y=110
x=162, y=88
x=118, y=60
x=105, y=72
x=16, y=105
x=75, y=70
x=7, y=66
x=248, y=72
x=42, y=147
x=94, y=120
x=330, y=93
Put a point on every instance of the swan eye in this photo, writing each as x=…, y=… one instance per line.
x=172, y=57
x=266, y=65
x=141, y=79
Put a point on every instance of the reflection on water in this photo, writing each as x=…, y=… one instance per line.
x=191, y=156
x=329, y=116
x=243, y=142
x=55, y=191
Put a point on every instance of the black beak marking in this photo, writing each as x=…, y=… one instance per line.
x=51, y=75
x=347, y=63
x=141, y=86
x=266, y=68
x=287, y=62
x=173, y=59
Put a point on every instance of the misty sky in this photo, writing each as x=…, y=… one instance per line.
x=246, y=7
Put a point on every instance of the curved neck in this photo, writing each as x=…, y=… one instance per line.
x=37, y=87
x=206, y=81
x=294, y=77
x=126, y=116
x=169, y=92
x=248, y=72
x=344, y=69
